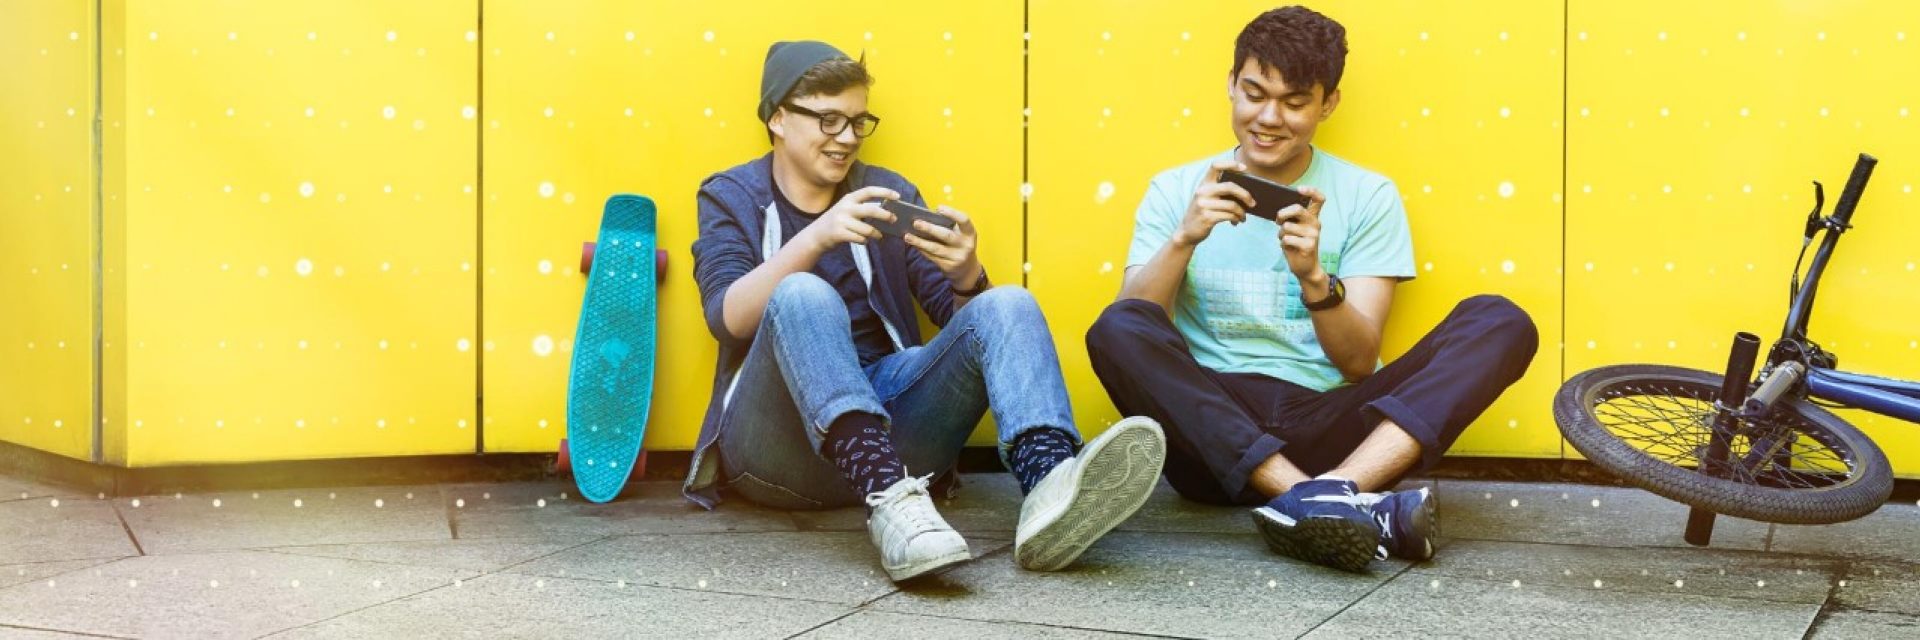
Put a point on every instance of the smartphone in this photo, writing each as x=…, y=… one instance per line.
x=1269, y=197
x=904, y=214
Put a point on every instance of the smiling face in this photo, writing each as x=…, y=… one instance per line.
x=1285, y=80
x=799, y=144
x=1274, y=121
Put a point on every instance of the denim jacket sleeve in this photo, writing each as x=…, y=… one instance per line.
x=725, y=250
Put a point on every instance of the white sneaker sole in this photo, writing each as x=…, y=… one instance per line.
x=924, y=567
x=1120, y=469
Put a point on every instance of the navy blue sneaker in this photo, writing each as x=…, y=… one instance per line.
x=1406, y=522
x=1325, y=522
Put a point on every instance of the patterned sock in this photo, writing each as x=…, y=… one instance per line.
x=859, y=446
x=1036, y=452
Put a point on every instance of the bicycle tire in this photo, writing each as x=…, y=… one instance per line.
x=1864, y=489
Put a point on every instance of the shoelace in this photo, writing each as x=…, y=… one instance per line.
x=1371, y=502
x=1367, y=502
x=917, y=515
x=1384, y=518
x=1362, y=501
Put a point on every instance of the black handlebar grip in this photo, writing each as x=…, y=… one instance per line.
x=1856, y=183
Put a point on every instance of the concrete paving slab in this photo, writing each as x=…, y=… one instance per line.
x=1166, y=511
x=526, y=606
x=50, y=529
x=1130, y=591
x=876, y=624
x=1892, y=533
x=485, y=554
x=838, y=567
x=23, y=633
x=191, y=523
x=1866, y=625
x=1427, y=606
x=213, y=595
x=1697, y=572
x=555, y=508
x=1880, y=586
x=23, y=573
x=1577, y=514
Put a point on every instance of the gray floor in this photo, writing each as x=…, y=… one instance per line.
x=530, y=560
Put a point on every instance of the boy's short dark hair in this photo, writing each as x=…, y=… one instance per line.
x=828, y=78
x=1305, y=46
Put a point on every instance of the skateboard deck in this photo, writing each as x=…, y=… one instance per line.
x=610, y=386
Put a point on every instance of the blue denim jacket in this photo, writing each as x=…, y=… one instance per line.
x=734, y=207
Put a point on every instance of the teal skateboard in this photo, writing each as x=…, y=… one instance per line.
x=610, y=387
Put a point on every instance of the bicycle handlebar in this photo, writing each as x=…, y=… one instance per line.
x=1856, y=183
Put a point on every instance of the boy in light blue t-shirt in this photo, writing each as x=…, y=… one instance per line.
x=1256, y=343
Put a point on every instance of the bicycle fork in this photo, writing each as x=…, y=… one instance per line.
x=1733, y=397
x=1734, y=405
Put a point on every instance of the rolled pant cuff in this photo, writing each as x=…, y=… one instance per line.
x=1267, y=446
x=1428, y=435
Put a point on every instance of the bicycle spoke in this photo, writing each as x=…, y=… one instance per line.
x=1673, y=423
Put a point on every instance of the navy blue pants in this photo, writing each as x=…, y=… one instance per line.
x=1220, y=426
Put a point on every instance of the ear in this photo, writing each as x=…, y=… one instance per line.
x=777, y=123
x=1327, y=106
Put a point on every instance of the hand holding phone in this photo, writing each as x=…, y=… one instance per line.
x=904, y=215
x=1269, y=197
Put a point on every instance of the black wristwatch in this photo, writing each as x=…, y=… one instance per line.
x=980, y=285
x=1336, y=293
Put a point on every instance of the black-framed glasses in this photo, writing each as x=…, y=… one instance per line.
x=834, y=123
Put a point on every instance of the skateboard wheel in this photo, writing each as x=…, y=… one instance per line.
x=659, y=266
x=586, y=258
x=563, y=460
x=639, y=467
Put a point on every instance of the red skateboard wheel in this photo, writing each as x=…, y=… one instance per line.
x=659, y=262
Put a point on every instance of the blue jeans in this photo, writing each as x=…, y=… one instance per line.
x=802, y=373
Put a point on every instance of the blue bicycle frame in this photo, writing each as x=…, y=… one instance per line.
x=1885, y=396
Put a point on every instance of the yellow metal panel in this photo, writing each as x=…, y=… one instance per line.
x=299, y=229
x=1692, y=140
x=46, y=225
x=584, y=100
x=1123, y=91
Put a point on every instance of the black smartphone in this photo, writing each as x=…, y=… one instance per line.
x=904, y=214
x=1269, y=197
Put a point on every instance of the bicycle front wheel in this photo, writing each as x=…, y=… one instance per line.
x=1649, y=424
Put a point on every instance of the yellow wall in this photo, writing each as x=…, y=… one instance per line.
x=47, y=225
x=1692, y=142
x=1494, y=119
x=299, y=230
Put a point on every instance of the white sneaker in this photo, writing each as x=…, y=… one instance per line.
x=1089, y=494
x=913, y=539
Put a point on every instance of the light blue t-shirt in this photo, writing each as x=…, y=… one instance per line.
x=1239, y=307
